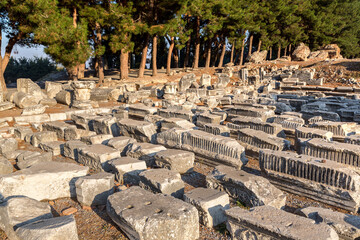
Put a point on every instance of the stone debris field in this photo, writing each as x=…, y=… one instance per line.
x=245, y=153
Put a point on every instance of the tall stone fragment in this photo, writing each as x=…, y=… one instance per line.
x=249, y=189
x=153, y=216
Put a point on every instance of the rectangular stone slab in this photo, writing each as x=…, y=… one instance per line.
x=143, y=215
x=43, y=181
x=266, y=222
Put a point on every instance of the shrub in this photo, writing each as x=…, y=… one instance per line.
x=33, y=68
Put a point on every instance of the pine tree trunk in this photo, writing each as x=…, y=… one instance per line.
x=81, y=71
x=187, y=54
x=124, y=59
x=168, y=63
x=232, y=52
x=242, y=52
x=259, y=46
x=154, y=56
x=75, y=71
x=270, y=57
x=208, y=55
x=279, y=51
x=290, y=49
x=250, y=44
x=101, y=70
x=221, y=61
x=197, y=44
x=285, y=53
x=143, y=57
x=176, y=57
x=2, y=79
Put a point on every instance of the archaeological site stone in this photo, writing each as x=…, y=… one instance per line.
x=153, y=216
x=176, y=160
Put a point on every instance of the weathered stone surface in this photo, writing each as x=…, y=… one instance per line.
x=5, y=166
x=33, y=110
x=213, y=149
x=258, y=57
x=210, y=203
x=8, y=145
x=325, y=181
x=140, y=130
x=56, y=147
x=63, y=97
x=153, y=216
x=249, y=189
x=43, y=181
x=50, y=229
x=346, y=226
x=73, y=133
x=205, y=80
x=58, y=127
x=72, y=148
x=17, y=211
x=48, y=102
x=95, y=156
x=186, y=81
x=139, y=110
x=106, y=125
x=250, y=111
x=94, y=189
x=305, y=132
x=52, y=88
x=301, y=53
x=83, y=121
x=168, y=123
x=254, y=140
x=126, y=169
x=345, y=153
x=217, y=129
x=6, y=106
x=23, y=100
x=337, y=128
x=176, y=113
x=43, y=137
x=121, y=143
x=266, y=222
x=177, y=160
x=257, y=124
x=96, y=139
x=41, y=118
x=22, y=131
x=28, y=158
x=145, y=152
x=162, y=181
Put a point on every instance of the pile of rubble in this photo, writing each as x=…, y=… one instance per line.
x=304, y=136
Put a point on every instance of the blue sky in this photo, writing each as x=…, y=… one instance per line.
x=36, y=51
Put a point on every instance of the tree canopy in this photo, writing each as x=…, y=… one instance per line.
x=180, y=33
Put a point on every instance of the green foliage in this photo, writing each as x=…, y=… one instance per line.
x=34, y=69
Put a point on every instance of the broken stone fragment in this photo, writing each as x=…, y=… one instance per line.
x=17, y=211
x=250, y=190
x=266, y=222
x=210, y=203
x=177, y=160
x=94, y=189
x=143, y=215
x=162, y=181
x=63, y=227
x=126, y=169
